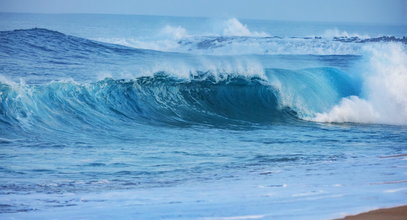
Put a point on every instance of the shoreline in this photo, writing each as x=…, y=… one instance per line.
x=393, y=213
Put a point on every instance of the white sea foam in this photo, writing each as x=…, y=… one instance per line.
x=239, y=66
x=164, y=44
x=233, y=27
x=243, y=45
x=281, y=46
x=351, y=109
x=384, y=91
x=216, y=66
x=164, y=40
x=331, y=33
x=174, y=32
x=6, y=80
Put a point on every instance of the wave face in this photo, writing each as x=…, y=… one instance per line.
x=159, y=99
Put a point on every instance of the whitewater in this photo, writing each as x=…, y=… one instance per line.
x=149, y=117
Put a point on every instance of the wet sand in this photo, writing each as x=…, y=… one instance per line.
x=395, y=213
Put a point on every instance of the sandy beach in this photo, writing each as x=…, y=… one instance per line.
x=395, y=213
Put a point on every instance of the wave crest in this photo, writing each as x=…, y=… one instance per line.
x=234, y=27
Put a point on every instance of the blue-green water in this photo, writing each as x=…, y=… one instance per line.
x=143, y=117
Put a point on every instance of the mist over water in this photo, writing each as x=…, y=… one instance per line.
x=187, y=118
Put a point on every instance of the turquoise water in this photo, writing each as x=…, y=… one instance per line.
x=143, y=117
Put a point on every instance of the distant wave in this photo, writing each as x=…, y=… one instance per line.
x=339, y=45
x=233, y=37
x=274, y=45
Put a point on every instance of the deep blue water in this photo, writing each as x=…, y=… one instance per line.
x=143, y=117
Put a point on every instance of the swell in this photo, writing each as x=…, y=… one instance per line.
x=39, y=40
x=41, y=55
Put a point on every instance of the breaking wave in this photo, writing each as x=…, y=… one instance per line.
x=373, y=91
x=384, y=96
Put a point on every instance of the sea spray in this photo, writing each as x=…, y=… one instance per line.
x=384, y=91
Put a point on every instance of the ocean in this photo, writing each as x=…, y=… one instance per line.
x=154, y=117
